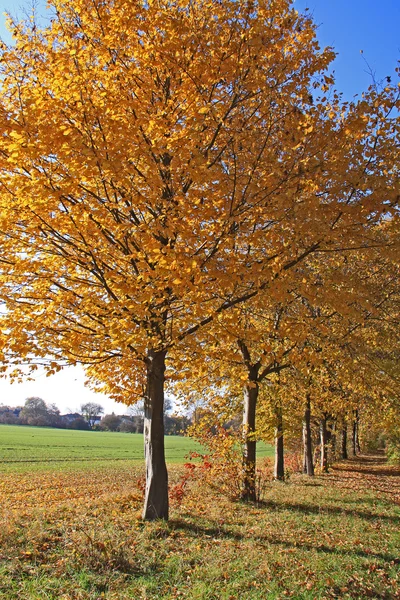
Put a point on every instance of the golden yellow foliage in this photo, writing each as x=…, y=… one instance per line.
x=162, y=163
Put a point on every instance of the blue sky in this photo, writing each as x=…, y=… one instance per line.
x=353, y=25
x=349, y=26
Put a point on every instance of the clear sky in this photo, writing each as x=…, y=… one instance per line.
x=349, y=26
x=66, y=389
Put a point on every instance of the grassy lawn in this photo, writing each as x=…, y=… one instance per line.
x=77, y=535
x=70, y=527
x=35, y=448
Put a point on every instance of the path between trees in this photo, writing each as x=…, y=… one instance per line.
x=368, y=471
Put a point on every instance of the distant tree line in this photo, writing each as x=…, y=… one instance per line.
x=37, y=413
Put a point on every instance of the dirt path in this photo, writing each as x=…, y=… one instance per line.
x=368, y=471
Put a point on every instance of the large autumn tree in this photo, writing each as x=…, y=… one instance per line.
x=162, y=162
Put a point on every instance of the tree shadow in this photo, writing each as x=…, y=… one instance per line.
x=375, y=464
x=208, y=531
x=334, y=510
x=387, y=492
x=311, y=484
x=385, y=472
x=369, y=458
x=385, y=556
x=226, y=533
x=371, y=501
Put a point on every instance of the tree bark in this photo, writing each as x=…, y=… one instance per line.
x=355, y=440
x=334, y=438
x=344, y=455
x=249, y=443
x=156, y=496
x=279, y=469
x=324, y=444
x=358, y=445
x=308, y=454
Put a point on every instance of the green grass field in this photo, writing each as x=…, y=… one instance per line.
x=71, y=528
x=78, y=535
x=36, y=448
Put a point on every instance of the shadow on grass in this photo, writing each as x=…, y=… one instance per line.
x=371, y=501
x=225, y=533
x=382, y=489
x=210, y=532
x=385, y=556
x=308, y=509
x=312, y=483
x=368, y=465
x=357, y=468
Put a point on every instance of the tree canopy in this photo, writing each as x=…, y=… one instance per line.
x=162, y=163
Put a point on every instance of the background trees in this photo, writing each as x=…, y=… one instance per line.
x=36, y=412
x=91, y=410
x=9, y=415
x=110, y=422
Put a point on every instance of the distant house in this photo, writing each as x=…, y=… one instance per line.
x=69, y=417
x=125, y=418
x=10, y=409
x=9, y=415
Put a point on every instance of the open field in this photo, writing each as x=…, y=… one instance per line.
x=36, y=448
x=77, y=535
x=37, y=445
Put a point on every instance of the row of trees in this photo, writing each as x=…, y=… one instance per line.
x=307, y=371
x=186, y=201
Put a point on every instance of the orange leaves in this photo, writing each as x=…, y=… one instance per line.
x=163, y=164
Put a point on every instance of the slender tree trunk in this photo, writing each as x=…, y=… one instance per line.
x=344, y=455
x=324, y=444
x=249, y=443
x=355, y=440
x=279, y=469
x=333, y=438
x=308, y=453
x=156, y=497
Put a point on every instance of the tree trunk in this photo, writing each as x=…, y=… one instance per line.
x=355, y=440
x=156, y=497
x=249, y=443
x=358, y=446
x=324, y=444
x=279, y=469
x=334, y=438
x=344, y=441
x=308, y=454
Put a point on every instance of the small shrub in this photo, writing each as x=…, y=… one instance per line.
x=264, y=477
x=293, y=464
x=221, y=467
x=178, y=491
x=393, y=449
